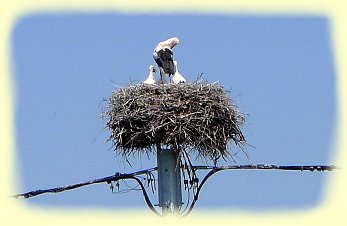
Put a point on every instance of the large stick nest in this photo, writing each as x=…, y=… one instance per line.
x=199, y=116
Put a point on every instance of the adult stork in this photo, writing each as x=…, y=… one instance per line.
x=163, y=56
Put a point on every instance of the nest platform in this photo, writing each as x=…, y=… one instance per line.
x=197, y=116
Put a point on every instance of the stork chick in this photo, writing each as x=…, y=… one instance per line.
x=150, y=79
x=177, y=77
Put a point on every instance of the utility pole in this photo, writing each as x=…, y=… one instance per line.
x=169, y=181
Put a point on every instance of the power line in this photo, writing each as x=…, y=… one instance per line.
x=214, y=169
x=270, y=167
x=108, y=179
x=149, y=174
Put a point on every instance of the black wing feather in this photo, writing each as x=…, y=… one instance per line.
x=165, y=61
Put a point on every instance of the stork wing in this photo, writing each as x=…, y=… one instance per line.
x=165, y=61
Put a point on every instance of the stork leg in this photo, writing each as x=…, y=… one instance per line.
x=161, y=75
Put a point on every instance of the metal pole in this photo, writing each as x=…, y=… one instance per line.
x=169, y=181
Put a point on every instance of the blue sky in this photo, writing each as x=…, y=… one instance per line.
x=279, y=69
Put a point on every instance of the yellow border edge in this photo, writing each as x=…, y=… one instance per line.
x=331, y=210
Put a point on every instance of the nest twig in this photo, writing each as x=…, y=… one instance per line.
x=199, y=116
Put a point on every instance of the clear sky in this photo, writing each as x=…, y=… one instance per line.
x=279, y=69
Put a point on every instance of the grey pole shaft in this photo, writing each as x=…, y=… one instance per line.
x=169, y=181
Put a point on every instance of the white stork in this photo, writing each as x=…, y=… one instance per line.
x=163, y=56
x=177, y=77
x=150, y=79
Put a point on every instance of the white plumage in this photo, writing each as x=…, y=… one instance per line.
x=170, y=43
x=177, y=77
x=150, y=79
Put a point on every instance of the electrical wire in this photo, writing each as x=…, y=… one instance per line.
x=188, y=168
x=108, y=179
x=215, y=169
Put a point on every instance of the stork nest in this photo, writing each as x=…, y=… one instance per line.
x=199, y=117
